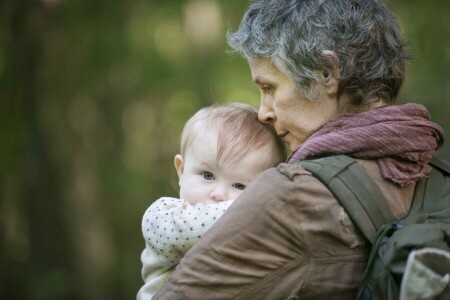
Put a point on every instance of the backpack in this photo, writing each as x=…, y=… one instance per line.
x=427, y=226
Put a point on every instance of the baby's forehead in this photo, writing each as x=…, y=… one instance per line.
x=214, y=133
x=206, y=148
x=205, y=130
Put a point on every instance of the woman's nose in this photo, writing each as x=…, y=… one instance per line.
x=266, y=114
x=219, y=194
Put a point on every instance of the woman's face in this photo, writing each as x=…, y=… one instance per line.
x=293, y=115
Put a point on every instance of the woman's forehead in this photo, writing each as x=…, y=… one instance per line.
x=264, y=70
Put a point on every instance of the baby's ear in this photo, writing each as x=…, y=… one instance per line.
x=178, y=161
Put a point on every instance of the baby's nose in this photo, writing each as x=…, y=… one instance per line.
x=219, y=194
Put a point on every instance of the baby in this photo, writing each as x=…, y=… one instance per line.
x=222, y=148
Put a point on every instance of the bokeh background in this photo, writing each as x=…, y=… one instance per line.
x=93, y=96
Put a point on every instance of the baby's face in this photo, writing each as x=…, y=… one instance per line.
x=202, y=180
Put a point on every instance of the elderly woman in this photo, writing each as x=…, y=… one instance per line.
x=329, y=73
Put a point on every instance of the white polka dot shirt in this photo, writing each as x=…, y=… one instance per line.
x=170, y=228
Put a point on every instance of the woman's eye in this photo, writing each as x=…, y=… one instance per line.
x=266, y=88
x=208, y=175
x=239, y=186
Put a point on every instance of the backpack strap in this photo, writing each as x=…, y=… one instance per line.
x=433, y=198
x=355, y=190
x=440, y=164
x=429, y=192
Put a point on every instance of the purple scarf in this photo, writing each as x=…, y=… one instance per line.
x=401, y=137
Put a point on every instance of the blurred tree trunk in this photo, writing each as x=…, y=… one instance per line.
x=40, y=270
x=62, y=250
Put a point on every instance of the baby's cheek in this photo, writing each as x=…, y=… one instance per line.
x=192, y=195
x=235, y=194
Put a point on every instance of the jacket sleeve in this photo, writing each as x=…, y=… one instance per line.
x=285, y=235
x=170, y=227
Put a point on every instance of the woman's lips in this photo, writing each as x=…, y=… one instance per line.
x=283, y=134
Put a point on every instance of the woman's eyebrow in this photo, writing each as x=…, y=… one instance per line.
x=258, y=80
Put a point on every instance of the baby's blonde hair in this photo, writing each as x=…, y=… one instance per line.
x=239, y=132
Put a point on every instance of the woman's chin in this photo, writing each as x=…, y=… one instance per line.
x=293, y=145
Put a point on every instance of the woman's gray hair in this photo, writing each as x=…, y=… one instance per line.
x=364, y=35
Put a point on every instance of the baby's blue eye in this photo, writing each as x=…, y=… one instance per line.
x=208, y=175
x=239, y=186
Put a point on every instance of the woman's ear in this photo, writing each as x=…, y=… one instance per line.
x=331, y=81
x=178, y=162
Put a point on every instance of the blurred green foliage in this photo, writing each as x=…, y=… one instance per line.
x=93, y=96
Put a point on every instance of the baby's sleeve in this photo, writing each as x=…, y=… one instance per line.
x=170, y=228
